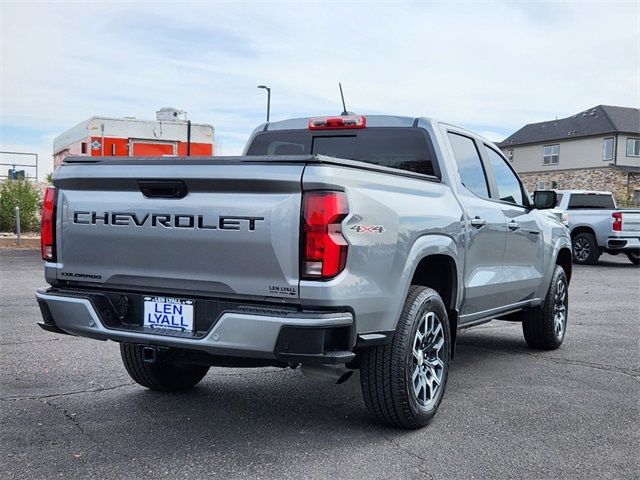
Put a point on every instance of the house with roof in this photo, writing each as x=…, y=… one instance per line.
x=597, y=149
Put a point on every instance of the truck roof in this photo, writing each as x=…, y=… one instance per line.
x=302, y=123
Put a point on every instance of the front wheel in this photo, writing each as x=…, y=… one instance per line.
x=544, y=328
x=403, y=382
x=159, y=375
x=634, y=257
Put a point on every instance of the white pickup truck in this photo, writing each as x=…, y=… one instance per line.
x=597, y=225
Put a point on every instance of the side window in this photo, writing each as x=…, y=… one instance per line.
x=469, y=164
x=607, y=149
x=551, y=154
x=509, y=187
x=633, y=147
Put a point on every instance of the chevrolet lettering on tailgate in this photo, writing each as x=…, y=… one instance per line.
x=167, y=220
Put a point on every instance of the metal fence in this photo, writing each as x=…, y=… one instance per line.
x=19, y=165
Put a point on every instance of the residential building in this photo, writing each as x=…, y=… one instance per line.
x=597, y=149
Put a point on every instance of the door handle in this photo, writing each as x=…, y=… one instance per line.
x=478, y=222
x=513, y=225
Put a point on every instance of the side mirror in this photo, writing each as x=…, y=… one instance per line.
x=545, y=199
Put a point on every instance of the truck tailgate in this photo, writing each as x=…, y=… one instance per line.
x=206, y=227
x=631, y=221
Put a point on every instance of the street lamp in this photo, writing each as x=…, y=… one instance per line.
x=268, y=99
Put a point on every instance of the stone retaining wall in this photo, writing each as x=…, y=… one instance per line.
x=622, y=184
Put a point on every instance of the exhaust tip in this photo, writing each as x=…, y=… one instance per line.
x=345, y=376
x=337, y=374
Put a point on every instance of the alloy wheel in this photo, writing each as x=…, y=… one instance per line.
x=560, y=309
x=428, y=359
x=581, y=249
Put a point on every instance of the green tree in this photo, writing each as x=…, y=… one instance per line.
x=19, y=193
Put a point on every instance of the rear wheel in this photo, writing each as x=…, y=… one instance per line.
x=403, y=382
x=634, y=257
x=585, y=249
x=159, y=375
x=544, y=328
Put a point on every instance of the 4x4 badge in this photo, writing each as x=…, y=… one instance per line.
x=368, y=229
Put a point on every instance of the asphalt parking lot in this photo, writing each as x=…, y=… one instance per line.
x=69, y=409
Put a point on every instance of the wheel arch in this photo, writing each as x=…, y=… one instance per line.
x=445, y=283
x=582, y=229
x=564, y=259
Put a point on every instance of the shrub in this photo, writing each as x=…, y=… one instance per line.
x=23, y=194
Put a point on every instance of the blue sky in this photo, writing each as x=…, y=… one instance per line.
x=491, y=66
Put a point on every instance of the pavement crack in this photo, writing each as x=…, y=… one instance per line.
x=69, y=416
x=64, y=394
x=633, y=374
x=409, y=452
x=97, y=443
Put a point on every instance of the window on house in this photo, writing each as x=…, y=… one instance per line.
x=540, y=185
x=510, y=154
x=633, y=147
x=550, y=154
x=83, y=147
x=607, y=149
x=554, y=184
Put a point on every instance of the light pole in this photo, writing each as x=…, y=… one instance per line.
x=268, y=99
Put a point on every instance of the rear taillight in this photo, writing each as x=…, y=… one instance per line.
x=331, y=123
x=617, y=221
x=47, y=226
x=324, y=249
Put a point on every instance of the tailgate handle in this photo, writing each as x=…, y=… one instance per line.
x=163, y=188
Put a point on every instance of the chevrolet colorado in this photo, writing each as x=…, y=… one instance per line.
x=333, y=243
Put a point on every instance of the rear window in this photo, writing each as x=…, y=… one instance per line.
x=402, y=148
x=559, y=199
x=591, y=201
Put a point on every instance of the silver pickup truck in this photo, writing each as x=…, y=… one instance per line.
x=334, y=243
x=597, y=225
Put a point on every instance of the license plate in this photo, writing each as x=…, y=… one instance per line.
x=165, y=312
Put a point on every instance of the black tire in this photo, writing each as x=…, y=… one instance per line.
x=585, y=249
x=386, y=371
x=539, y=325
x=161, y=376
x=634, y=257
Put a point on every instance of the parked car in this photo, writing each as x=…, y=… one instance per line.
x=333, y=243
x=597, y=225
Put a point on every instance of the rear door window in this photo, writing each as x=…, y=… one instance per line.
x=509, y=188
x=401, y=148
x=470, y=166
x=591, y=201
